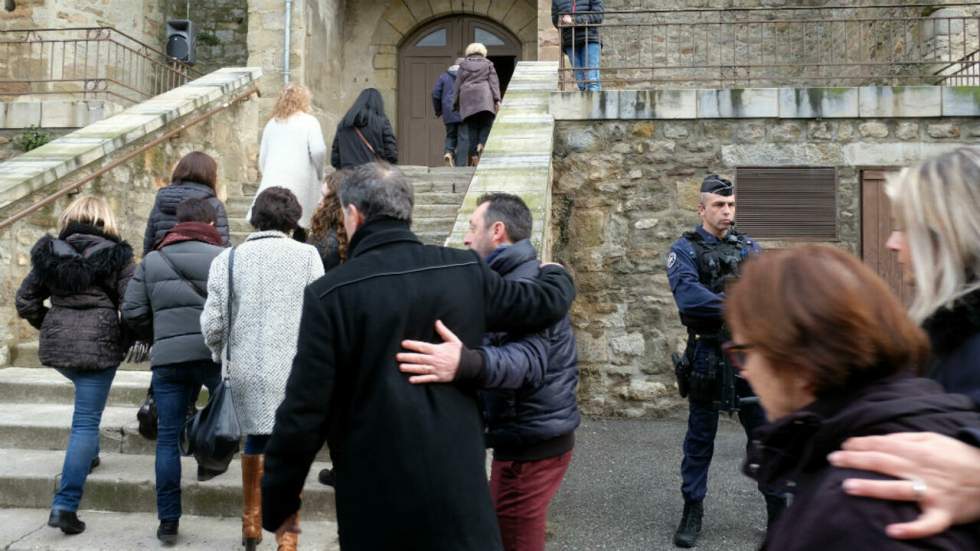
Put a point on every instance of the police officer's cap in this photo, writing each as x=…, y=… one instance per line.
x=717, y=185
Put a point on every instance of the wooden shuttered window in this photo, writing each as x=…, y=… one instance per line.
x=787, y=202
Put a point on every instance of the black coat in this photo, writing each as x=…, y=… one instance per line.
x=955, y=337
x=348, y=150
x=410, y=459
x=535, y=374
x=161, y=302
x=791, y=455
x=595, y=11
x=163, y=217
x=84, y=272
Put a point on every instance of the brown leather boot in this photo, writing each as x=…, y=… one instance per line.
x=252, y=466
x=288, y=539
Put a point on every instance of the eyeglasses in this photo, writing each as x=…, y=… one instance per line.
x=735, y=353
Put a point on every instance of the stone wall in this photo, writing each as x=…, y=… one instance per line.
x=8, y=137
x=222, y=29
x=623, y=191
x=131, y=187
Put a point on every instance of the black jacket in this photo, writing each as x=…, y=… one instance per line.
x=410, y=459
x=594, y=10
x=84, y=272
x=955, y=337
x=532, y=411
x=162, y=303
x=348, y=150
x=163, y=217
x=791, y=455
x=328, y=245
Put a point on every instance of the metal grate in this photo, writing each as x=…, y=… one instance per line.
x=787, y=202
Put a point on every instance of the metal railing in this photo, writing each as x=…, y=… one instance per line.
x=94, y=62
x=897, y=44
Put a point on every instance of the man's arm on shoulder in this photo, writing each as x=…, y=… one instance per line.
x=301, y=420
x=692, y=297
x=526, y=306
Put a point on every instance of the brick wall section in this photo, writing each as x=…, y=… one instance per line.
x=623, y=191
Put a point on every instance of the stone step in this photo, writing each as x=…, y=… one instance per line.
x=125, y=483
x=24, y=354
x=430, y=225
x=26, y=529
x=47, y=386
x=424, y=211
x=30, y=426
x=433, y=238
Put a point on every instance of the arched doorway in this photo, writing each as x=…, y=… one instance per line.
x=425, y=55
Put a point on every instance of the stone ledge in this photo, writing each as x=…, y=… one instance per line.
x=35, y=169
x=786, y=103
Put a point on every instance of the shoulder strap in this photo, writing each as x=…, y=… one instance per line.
x=203, y=293
x=231, y=301
x=364, y=140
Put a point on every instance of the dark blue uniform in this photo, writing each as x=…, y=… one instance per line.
x=701, y=311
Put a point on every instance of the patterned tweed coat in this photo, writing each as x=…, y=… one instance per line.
x=270, y=274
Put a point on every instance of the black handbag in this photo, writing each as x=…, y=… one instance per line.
x=147, y=416
x=213, y=435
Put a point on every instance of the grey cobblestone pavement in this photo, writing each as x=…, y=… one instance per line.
x=622, y=490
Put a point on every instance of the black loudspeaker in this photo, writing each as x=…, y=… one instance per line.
x=180, y=40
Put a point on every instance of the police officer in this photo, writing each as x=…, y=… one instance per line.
x=699, y=265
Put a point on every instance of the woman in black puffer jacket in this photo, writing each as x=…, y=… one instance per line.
x=84, y=271
x=195, y=176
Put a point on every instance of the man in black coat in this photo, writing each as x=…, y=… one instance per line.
x=530, y=381
x=409, y=458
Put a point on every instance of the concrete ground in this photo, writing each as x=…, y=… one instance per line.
x=622, y=490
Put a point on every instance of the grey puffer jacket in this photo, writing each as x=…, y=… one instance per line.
x=162, y=302
x=534, y=376
x=163, y=217
x=84, y=272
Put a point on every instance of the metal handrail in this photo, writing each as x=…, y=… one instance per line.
x=89, y=61
x=797, y=45
x=74, y=187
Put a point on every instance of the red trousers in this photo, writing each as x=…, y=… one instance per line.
x=521, y=492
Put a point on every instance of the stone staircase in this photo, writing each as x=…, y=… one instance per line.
x=439, y=193
x=119, y=502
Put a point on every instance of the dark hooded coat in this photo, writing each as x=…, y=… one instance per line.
x=955, y=337
x=84, y=271
x=790, y=455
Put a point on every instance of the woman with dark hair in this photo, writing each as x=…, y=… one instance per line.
x=834, y=357
x=327, y=231
x=477, y=100
x=82, y=274
x=270, y=273
x=364, y=135
x=195, y=176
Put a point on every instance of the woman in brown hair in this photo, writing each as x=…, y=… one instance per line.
x=834, y=356
x=327, y=231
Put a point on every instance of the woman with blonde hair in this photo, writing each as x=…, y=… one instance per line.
x=292, y=153
x=477, y=100
x=936, y=208
x=84, y=272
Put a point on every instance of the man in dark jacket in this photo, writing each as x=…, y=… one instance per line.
x=165, y=299
x=442, y=102
x=409, y=458
x=577, y=20
x=529, y=404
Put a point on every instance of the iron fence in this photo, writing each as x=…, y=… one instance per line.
x=95, y=63
x=898, y=44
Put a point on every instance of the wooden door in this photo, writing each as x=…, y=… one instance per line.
x=423, y=57
x=876, y=226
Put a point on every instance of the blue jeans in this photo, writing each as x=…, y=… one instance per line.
x=585, y=61
x=91, y=393
x=255, y=443
x=173, y=389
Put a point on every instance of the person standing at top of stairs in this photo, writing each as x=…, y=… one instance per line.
x=84, y=271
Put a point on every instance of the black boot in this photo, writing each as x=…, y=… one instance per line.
x=167, y=532
x=95, y=463
x=327, y=477
x=690, y=528
x=67, y=521
x=774, y=508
